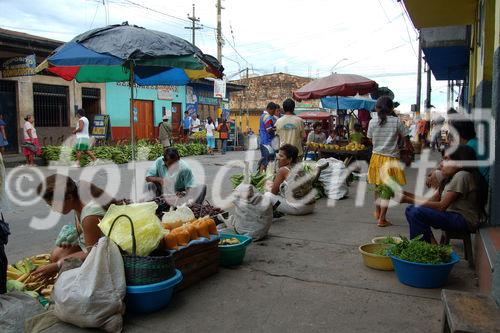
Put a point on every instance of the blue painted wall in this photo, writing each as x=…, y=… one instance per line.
x=118, y=101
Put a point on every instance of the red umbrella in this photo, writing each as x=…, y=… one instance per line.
x=336, y=85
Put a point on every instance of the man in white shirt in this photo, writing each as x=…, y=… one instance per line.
x=195, y=124
x=81, y=131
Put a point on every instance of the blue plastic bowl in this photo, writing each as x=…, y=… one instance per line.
x=233, y=255
x=423, y=275
x=151, y=297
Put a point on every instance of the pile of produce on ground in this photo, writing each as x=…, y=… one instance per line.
x=200, y=135
x=259, y=179
x=120, y=154
x=418, y=251
x=331, y=147
x=20, y=277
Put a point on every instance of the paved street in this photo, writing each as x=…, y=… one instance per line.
x=306, y=276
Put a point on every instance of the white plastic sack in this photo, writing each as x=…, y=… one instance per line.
x=253, y=213
x=92, y=295
x=334, y=178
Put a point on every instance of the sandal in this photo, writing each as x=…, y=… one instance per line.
x=383, y=224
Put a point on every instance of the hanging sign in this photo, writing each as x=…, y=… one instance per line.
x=100, y=126
x=19, y=66
x=219, y=88
x=136, y=118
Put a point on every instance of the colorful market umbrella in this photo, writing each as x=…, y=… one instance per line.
x=113, y=53
x=336, y=85
x=118, y=53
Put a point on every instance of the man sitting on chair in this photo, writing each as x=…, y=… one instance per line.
x=170, y=175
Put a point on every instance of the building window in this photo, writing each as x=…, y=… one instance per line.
x=51, y=106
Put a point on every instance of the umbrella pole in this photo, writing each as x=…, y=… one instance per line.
x=132, y=135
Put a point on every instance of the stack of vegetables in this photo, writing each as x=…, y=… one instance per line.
x=120, y=154
x=257, y=179
x=20, y=277
x=182, y=227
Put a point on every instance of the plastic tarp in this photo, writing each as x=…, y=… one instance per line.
x=348, y=103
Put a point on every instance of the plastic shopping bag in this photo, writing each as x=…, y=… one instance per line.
x=147, y=227
x=92, y=295
x=334, y=178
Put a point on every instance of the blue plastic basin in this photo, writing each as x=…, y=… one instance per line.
x=423, y=275
x=233, y=255
x=151, y=297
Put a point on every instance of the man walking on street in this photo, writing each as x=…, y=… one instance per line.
x=195, y=124
x=290, y=128
x=186, y=124
x=165, y=133
x=266, y=134
x=81, y=131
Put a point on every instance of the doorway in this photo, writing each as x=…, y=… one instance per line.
x=91, y=103
x=8, y=109
x=144, y=127
x=176, y=118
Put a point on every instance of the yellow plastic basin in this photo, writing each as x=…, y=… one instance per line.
x=373, y=260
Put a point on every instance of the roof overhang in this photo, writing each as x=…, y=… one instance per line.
x=440, y=13
x=446, y=50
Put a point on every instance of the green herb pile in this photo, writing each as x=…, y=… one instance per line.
x=120, y=154
x=419, y=251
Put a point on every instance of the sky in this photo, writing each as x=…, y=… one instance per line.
x=313, y=38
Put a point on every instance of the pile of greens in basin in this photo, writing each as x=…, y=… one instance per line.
x=419, y=251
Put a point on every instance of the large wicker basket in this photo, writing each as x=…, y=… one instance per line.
x=158, y=266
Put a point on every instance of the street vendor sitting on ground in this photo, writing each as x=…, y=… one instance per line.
x=170, y=175
x=88, y=202
x=282, y=189
x=316, y=136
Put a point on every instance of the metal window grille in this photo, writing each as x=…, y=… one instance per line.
x=91, y=93
x=51, y=106
x=7, y=86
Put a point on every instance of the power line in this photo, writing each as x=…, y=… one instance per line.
x=407, y=30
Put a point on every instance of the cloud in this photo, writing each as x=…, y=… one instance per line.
x=300, y=37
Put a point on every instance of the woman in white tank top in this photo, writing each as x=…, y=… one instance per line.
x=81, y=131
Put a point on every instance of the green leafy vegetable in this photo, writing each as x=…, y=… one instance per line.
x=419, y=251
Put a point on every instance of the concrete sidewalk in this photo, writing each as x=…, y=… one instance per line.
x=306, y=276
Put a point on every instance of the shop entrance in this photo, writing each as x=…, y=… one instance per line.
x=144, y=127
x=177, y=116
x=91, y=103
x=9, y=111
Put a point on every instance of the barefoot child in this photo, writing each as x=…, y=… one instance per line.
x=384, y=131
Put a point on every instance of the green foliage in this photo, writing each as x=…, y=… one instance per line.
x=120, y=154
x=384, y=192
x=419, y=251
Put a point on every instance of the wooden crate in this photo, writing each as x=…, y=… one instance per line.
x=197, y=262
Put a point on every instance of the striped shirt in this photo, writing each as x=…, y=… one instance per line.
x=385, y=137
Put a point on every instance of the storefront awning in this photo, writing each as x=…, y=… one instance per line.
x=448, y=63
x=440, y=13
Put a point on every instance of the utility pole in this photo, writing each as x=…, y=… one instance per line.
x=428, y=91
x=193, y=19
x=220, y=41
x=419, y=77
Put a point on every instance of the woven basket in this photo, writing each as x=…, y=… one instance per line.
x=150, y=269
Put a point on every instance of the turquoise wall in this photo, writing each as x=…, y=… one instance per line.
x=118, y=102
